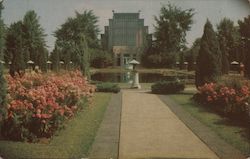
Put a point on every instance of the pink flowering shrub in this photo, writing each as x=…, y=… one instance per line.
x=39, y=103
x=232, y=101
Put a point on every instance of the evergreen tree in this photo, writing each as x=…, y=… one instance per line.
x=227, y=41
x=14, y=46
x=55, y=58
x=2, y=80
x=209, y=58
x=245, y=33
x=192, y=53
x=34, y=42
x=224, y=59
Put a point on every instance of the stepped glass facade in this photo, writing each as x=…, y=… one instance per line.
x=126, y=36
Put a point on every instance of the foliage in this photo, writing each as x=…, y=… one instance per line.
x=24, y=42
x=2, y=80
x=101, y=59
x=155, y=59
x=34, y=42
x=83, y=51
x=171, y=28
x=234, y=133
x=14, y=47
x=107, y=87
x=192, y=53
x=228, y=42
x=167, y=87
x=38, y=104
x=209, y=59
x=245, y=33
x=74, y=141
x=229, y=99
x=55, y=59
x=76, y=37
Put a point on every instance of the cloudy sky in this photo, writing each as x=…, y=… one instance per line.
x=53, y=13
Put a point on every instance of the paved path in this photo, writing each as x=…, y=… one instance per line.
x=149, y=129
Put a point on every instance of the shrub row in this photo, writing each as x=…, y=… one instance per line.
x=39, y=104
x=230, y=100
x=107, y=87
x=167, y=87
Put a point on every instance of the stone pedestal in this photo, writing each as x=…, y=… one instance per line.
x=136, y=83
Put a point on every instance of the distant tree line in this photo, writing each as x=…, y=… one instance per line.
x=212, y=54
x=25, y=41
x=219, y=49
x=77, y=44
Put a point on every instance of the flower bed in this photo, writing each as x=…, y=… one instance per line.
x=39, y=104
x=229, y=100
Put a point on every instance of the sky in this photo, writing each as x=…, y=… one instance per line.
x=53, y=13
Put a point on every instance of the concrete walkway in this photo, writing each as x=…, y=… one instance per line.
x=149, y=129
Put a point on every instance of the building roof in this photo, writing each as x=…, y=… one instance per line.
x=126, y=15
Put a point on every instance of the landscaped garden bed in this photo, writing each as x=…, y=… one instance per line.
x=39, y=104
x=74, y=141
x=230, y=99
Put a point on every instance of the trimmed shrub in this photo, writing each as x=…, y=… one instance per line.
x=107, y=87
x=167, y=87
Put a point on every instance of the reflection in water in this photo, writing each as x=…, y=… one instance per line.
x=127, y=77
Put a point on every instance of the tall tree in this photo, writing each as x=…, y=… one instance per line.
x=14, y=46
x=227, y=40
x=245, y=33
x=209, y=59
x=34, y=42
x=70, y=36
x=2, y=80
x=55, y=58
x=192, y=54
x=171, y=27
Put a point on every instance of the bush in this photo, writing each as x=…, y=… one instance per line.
x=107, y=87
x=101, y=59
x=230, y=99
x=167, y=87
x=39, y=104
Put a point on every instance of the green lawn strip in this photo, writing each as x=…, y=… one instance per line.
x=72, y=142
x=233, y=133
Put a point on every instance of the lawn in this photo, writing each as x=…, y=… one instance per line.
x=233, y=133
x=72, y=142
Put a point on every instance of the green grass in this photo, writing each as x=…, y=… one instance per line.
x=72, y=142
x=233, y=133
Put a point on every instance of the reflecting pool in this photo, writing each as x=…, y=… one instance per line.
x=144, y=77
